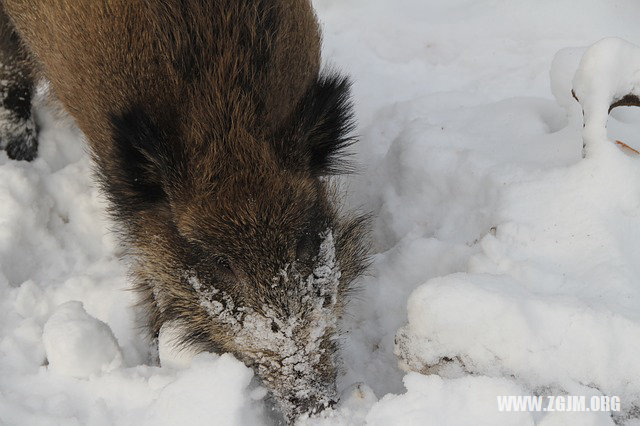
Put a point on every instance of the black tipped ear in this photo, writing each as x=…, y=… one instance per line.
x=319, y=132
x=136, y=171
x=329, y=122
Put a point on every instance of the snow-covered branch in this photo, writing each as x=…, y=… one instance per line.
x=608, y=77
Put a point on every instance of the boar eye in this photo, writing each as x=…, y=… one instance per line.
x=224, y=266
x=274, y=327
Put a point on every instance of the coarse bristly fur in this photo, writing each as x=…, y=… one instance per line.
x=213, y=132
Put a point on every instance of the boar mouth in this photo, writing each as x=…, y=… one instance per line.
x=293, y=408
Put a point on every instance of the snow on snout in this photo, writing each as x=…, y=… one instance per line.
x=286, y=355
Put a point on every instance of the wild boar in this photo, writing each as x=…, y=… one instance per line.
x=213, y=131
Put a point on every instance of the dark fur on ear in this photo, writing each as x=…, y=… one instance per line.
x=322, y=127
x=143, y=165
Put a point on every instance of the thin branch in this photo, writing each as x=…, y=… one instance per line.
x=627, y=100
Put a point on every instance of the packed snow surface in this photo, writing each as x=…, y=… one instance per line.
x=504, y=262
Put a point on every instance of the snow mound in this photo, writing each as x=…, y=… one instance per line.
x=212, y=391
x=78, y=344
x=355, y=402
x=171, y=353
x=552, y=298
x=432, y=400
x=427, y=400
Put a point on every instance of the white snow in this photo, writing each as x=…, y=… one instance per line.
x=437, y=401
x=608, y=71
x=77, y=344
x=170, y=352
x=555, y=279
x=212, y=391
x=504, y=262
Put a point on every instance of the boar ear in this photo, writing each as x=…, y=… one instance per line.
x=329, y=126
x=142, y=164
x=322, y=124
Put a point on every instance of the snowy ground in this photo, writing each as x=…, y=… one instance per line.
x=505, y=263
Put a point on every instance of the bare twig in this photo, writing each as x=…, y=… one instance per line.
x=627, y=100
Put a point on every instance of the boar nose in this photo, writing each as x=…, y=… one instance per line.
x=311, y=406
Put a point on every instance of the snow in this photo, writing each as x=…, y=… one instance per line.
x=197, y=394
x=436, y=401
x=548, y=283
x=77, y=344
x=171, y=353
x=609, y=70
x=504, y=262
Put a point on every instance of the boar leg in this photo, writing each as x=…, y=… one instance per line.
x=18, y=133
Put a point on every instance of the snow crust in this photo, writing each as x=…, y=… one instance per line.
x=504, y=261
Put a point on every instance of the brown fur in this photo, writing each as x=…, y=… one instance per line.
x=211, y=129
